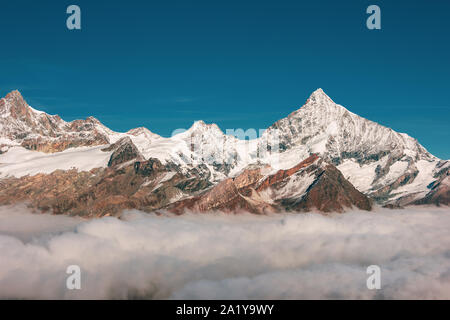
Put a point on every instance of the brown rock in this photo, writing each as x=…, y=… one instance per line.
x=330, y=192
x=124, y=151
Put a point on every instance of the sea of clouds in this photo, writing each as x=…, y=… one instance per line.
x=218, y=256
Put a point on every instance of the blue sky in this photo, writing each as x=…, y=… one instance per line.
x=240, y=64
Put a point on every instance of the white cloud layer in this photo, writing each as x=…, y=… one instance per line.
x=299, y=256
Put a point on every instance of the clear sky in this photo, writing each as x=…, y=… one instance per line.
x=240, y=64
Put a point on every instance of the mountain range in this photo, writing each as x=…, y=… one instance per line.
x=321, y=157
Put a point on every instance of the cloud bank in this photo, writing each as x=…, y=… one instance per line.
x=295, y=256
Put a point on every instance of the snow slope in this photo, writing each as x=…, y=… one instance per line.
x=19, y=162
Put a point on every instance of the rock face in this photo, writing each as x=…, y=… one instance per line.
x=330, y=192
x=124, y=151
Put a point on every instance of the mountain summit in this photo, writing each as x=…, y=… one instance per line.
x=22, y=125
x=320, y=98
x=320, y=157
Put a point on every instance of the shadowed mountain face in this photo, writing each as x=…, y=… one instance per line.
x=321, y=157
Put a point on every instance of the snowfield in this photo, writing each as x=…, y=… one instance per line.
x=19, y=162
x=295, y=256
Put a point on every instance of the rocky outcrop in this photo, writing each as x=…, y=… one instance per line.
x=124, y=151
x=45, y=145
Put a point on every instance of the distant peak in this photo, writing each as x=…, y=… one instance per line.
x=199, y=123
x=138, y=130
x=202, y=124
x=201, y=127
x=92, y=119
x=15, y=106
x=141, y=131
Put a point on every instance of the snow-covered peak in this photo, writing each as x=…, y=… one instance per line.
x=143, y=138
x=319, y=97
x=142, y=131
x=199, y=130
x=319, y=104
x=324, y=127
x=201, y=125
